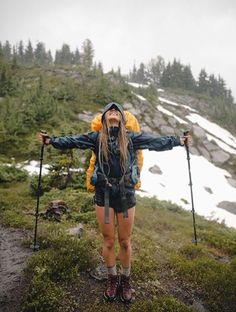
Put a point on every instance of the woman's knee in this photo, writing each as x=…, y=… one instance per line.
x=109, y=242
x=125, y=243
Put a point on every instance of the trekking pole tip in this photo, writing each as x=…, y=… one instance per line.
x=34, y=247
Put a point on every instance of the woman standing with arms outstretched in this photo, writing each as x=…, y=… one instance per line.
x=115, y=176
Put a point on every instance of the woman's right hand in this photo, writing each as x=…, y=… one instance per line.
x=44, y=138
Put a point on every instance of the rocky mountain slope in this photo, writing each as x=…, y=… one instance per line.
x=173, y=114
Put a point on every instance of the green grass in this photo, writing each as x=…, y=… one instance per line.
x=164, y=257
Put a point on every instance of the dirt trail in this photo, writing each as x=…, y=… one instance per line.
x=12, y=261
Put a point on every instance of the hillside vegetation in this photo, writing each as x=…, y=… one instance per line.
x=169, y=272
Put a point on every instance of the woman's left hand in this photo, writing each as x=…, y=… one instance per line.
x=186, y=139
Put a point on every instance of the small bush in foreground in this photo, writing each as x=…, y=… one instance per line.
x=162, y=304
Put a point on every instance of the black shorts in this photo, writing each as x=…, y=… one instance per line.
x=115, y=198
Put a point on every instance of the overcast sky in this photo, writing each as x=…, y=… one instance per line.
x=200, y=33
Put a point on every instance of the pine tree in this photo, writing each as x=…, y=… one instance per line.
x=66, y=55
x=29, y=54
x=1, y=51
x=166, y=76
x=155, y=70
x=7, y=50
x=133, y=74
x=20, y=53
x=14, y=58
x=176, y=75
x=76, y=57
x=58, y=57
x=40, y=54
x=100, y=67
x=141, y=74
x=49, y=58
x=213, y=86
x=203, y=83
x=188, y=79
x=87, y=54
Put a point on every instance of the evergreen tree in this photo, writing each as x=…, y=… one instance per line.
x=66, y=55
x=58, y=57
x=221, y=90
x=203, y=83
x=155, y=70
x=100, y=67
x=20, y=53
x=133, y=74
x=141, y=74
x=229, y=97
x=29, y=54
x=188, y=79
x=7, y=50
x=1, y=51
x=76, y=57
x=14, y=58
x=40, y=54
x=177, y=75
x=213, y=86
x=87, y=54
x=5, y=79
x=49, y=58
x=166, y=76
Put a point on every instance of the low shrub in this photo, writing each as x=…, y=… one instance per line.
x=214, y=280
x=162, y=304
x=44, y=295
x=12, y=174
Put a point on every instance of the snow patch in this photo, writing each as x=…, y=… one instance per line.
x=138, y=85
x=175, y=178
x=221, y=144
x=167, y=112
x=214, y=129
x=140, y=97
x=163, y=100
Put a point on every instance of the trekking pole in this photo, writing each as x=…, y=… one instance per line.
x=191, y=189
x=35, y=246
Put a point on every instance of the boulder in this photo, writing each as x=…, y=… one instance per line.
x=231, y=181
x=229, y=206
x=86, y=116
x=155, y=169
x=210, y=146
x=167, y=130
x=219, y=156
x=198, y=132
x=204, y=152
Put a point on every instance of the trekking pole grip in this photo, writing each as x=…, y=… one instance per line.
x=186, y=133
x=45, y=136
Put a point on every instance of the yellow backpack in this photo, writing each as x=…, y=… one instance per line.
x=96, y=125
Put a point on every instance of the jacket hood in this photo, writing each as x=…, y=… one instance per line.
x=117, y=107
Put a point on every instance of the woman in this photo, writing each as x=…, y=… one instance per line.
x=114, y=178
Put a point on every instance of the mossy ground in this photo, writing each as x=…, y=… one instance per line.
x=169, y=272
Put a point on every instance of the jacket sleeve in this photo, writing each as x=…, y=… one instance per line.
x=153, y=142
x=82, y=141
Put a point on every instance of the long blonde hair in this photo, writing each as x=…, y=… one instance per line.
x=123, y=142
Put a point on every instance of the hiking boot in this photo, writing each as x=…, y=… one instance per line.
x=112, y=286
x=125, y=289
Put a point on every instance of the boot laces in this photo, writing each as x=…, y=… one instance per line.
x=125, y=283
x=112, y=283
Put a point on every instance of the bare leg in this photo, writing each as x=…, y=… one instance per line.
x=108, y=232
x=125, y=227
